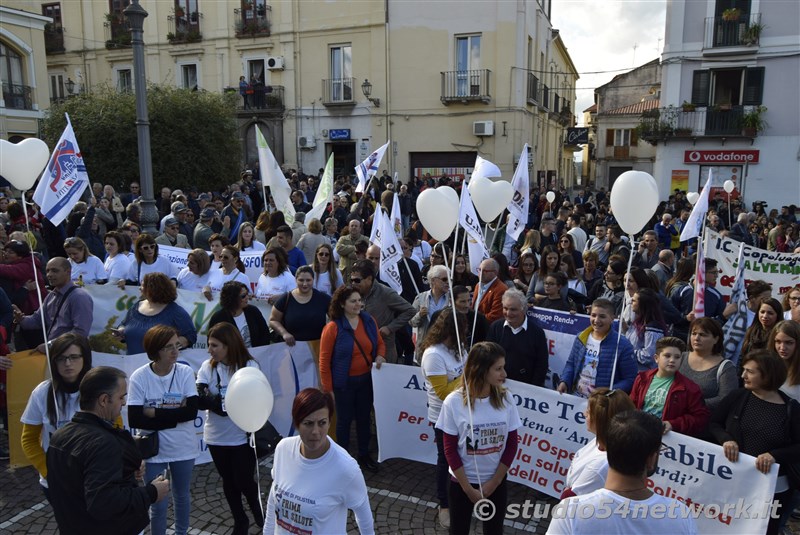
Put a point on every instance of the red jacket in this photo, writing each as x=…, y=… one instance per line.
x=492, y=301
x=684, y=407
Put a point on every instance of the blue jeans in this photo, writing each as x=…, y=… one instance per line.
x=180, y=476
x=354, y=401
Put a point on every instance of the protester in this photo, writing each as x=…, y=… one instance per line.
x=791, y=304
x=54, y=402
x=566, y=246
x=194, y=277
x=310, y=242
x=234, y=459
x=488, y=297
x=462, y=274
x=247, y=241
x=300, y=314
x=526, y=272
x=427, y=303
x=769, y=313
x=216, y=242
x=479, y=464
x=235, y=308
x=230, y=269
x=86, y=268
x=551, y=263
x=117, y=262
x=785, y=341
x=350, y=345
x=647, y=327
x=147, y=261
x=314, y=480
x=704, y=364
x=327, y=278
x=17, y=274
x=554, y=284
x=92, y=466
x=163, y=400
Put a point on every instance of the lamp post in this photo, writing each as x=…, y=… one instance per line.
x=366, y=88
x=136, y=14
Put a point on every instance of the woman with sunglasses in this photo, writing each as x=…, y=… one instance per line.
x=54, y=402
x=327, y=276
x=230, y=269
x=276, y=279
x=157, y=306
x=526, y=272
x=117, y=262
x=86, y=267
x=147, y=261
x=235, y=308
x=162, y=398
x=566, y=245
x=300, y=315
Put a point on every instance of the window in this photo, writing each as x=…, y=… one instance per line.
x=255, y=71
x=341, y=73
x=189, y=76
x=57, y=90
x=468, y=58
x=622, y=137
x=124, y=81
x=16, y=95
x=734, y=87
x=187, y=18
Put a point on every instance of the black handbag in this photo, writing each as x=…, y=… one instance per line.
x=147, y=444
x=267, y=439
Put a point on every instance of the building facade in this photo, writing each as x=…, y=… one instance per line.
x=342, y=77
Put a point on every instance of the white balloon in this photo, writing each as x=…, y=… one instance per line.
x=728, y=186
x=550, y=196
x=692, y=197
x=249, y=372
x=490, y=197
x=634, y=199
x=22, y=163
x=249, y=401
x=438, y=211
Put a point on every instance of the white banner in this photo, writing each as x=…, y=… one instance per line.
x=288, y=370
x=553, y=430
x=251, y=260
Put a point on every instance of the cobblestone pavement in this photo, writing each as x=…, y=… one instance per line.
x=402, y=495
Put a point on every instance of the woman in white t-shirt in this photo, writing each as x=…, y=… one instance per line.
x=327, y=276
x=117, y=262
x=276, y=279
x=314, y=480
x=590, y=466
x=55, y=401
x=479, y=422
x=442, y=365
x=147, y=261
x=162, y=398
x=247, y=239
x=86, y=267
x=194, y=276
x=230, y=269
x=234, y=459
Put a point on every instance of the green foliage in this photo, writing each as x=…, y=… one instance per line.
x=193, y=136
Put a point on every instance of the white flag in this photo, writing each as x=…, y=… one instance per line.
x=485, y=169
x=369, y=167
x=272, y=176
x=324, y=194
x=519, y=206
x=377, y=228
x=693, y=225
x=396, y=218
x=468, y=219
x=63, y=180
x=391, y=255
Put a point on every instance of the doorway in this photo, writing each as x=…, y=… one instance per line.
x=344, y=157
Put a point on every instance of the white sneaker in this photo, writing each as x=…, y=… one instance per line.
x=444, y=518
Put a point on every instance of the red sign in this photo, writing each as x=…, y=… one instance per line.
x=721, y=157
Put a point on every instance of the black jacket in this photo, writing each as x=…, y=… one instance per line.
x=91, y=470
x=527, y=356
x=259, y=332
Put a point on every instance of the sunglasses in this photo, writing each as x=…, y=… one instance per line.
x=323, y=254
x=244, y=296
x=147, y=247
x=355, y=280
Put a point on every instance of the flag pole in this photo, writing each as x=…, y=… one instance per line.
x=408, y=270
x=619, y=331
x=700, y=240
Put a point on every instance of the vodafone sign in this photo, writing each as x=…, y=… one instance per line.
x=724, y=157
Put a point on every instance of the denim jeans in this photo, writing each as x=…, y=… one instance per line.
x=354, y=401
x=180, y=476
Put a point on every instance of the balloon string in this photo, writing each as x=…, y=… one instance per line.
x=252, y=441
x=624, y=308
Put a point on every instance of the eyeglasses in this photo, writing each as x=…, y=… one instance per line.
x=147, y=247
x=794, y=298
x=244, y=296
x=68, y=358
x=323, y=254
x=171, y=347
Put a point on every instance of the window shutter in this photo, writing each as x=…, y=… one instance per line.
x=610, y=137
x=701, y=82
x=634, y=138
x=753, y=86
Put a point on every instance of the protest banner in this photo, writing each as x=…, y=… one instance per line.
x=782, y=270
x=253, y=268
x=726, y=497
x=560, y=328
x=288, y=370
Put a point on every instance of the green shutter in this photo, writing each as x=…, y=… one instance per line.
x=753, y=86
x=701, y=83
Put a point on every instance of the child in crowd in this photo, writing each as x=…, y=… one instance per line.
x=665, y=393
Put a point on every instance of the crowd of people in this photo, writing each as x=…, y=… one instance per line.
x=467, y=331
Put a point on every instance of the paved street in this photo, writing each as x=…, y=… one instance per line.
x=402, y=496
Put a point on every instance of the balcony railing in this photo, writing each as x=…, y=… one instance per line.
x=466, y=86
x=264, y=98
x=533, y=89
x=118, y=33
x=338, y=92
x=17, y=97
x=715, y=121
x=253, y=21
x=744, y=31
x=184, y=27
x=53, y=40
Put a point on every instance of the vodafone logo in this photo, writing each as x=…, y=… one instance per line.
x=721, y=156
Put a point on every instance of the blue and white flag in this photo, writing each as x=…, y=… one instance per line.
x=63, y=180
x=391, y=253
x=369, y=167
x=519, y=206
x=736, y=327
x=468, y=219
x=694, y=225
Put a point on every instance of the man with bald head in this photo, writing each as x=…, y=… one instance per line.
x=67, y=308
x=489, y=297
x=346, y=247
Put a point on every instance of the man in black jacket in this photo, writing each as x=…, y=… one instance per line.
x=92, y=466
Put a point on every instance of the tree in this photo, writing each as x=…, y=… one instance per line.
x=193, y=136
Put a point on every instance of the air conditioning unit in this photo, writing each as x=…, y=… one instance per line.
x=483, y=128
x=306, y=142
x=275, y=63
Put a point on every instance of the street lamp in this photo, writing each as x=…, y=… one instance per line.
x=136, y=14
x=366, y=88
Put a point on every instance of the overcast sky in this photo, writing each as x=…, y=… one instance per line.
x=600, y=36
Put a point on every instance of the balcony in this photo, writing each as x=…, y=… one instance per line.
x=267, y=99
x=717, y=121
x=184, y=27
x=533, y=89
x=17, y=97
x=253, y=21
x=53, y=39
x=466, y=86
x=118, y=33
x=338, y=92
x=732, y=35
